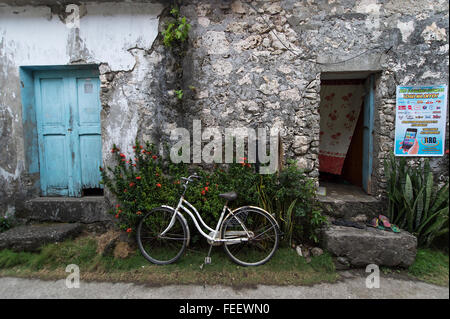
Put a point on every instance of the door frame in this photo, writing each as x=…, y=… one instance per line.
x=368, y=124
x=368, y=119
x=29, y=115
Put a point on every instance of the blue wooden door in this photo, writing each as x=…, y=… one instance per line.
x=368, y=134
x=69, y=134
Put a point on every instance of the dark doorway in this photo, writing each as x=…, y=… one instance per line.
x=346, y=111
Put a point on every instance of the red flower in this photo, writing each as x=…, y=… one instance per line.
x=207, y=183
x=134, y=165
x=139, y=212
x=132, y=184
x=206, y=188
x=446, y=151
x=117, y=216
x=101, y=169
x=138, y=177
x=129, y=230
x=117, y=206
x=141, y=146
x=134, y=147
x=154, y=157
x=158, y=185
x=123, y=160
x=143, y=151
x=125, y=190
x=157, y=174
x=122, y=155
x=203, y=192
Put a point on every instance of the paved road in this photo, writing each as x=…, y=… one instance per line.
x=350, y=288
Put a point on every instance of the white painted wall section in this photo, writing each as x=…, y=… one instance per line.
x=34, y=36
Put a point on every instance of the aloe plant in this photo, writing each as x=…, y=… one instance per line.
x=416, y=202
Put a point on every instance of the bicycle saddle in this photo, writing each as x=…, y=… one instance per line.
x=229, y=195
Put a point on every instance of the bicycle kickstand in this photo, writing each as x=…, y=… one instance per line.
x=207, y=258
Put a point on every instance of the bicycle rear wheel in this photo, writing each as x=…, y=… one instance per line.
x=161, y=250
x=259, y=228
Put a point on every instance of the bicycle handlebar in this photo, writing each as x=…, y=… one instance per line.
x=190, y=178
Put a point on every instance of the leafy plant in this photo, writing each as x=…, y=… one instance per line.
x=290, y=196
x=5, y=223
x=179, y=94
x=416, y=203
x=177, y=31
x=147, y=181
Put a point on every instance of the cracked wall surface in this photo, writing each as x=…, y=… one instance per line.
x=112, y=35
x=255, y=65
x=260, y=63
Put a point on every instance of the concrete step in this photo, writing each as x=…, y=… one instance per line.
x=33, y=237
x=350, y=202
x=89, y=209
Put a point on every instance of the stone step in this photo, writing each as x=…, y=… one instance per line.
x=361, y=247
x=89, y=209
x=352, y=210
x=33, y=237
x=350, y=202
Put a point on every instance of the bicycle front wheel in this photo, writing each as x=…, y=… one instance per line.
x=259, y=231
x=162, y=249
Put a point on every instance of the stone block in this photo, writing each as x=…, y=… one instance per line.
x=33, y=237
x=371, y=246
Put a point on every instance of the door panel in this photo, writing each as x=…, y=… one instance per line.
x=53, y=136
x=88, y=102
x=89, y=131
x=55, y=163
x=52, y=91
x=69, y=131
x=90, y=147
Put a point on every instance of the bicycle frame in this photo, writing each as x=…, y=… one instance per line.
x=215, y=232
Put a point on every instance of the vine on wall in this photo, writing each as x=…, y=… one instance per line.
x=175, y=37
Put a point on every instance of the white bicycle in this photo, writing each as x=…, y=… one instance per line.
x=249, y=234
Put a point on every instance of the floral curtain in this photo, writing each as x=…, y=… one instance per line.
x=340, y=106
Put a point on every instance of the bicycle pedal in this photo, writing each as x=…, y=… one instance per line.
x=207, y=260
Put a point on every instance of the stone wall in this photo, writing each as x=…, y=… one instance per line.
x=261, y=64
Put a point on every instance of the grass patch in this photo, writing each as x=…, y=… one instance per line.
x=431, y=266
x=285, y=268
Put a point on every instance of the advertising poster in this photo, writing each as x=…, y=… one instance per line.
x=420, y=120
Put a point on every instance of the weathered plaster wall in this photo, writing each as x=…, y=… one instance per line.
x=263, y=68
x=112, y=35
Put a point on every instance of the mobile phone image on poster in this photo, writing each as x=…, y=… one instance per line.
x=420, y=121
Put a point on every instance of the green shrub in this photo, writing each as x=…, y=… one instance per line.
x=5, y=223
x=416, y=203
x=147, y=181
x=290, y=196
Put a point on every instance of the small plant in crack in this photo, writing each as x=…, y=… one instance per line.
x=179, y=94
x=177, y=31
